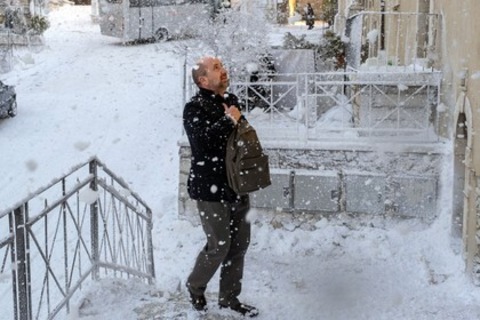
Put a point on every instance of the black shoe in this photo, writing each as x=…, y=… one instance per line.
x=244, y=309
x=198, y=301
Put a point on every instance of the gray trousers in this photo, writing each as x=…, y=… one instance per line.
x=228, y=237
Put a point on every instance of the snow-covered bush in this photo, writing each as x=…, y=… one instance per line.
x=292, y=42
x=328, y=11
x=39, y=24
x=239, y=39
x=15, y=19
x=331, y=51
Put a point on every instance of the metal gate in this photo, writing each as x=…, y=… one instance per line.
x=342, y=106
x=85, y=225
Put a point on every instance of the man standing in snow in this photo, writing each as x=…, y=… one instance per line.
x=209, y=118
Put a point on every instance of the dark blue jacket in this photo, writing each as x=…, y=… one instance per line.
x=208, y=128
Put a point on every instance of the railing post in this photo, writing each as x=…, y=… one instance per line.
x=151, y=264
x=65, y=244
x=20, y=261
x=302, y=96
x=94, y=219
x=11, y=222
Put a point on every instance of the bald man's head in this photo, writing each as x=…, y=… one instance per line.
x=199, y=70
x=210, y=74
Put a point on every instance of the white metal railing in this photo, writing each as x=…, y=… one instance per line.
x=341, y=106
x=85, y=225
x=392, y=39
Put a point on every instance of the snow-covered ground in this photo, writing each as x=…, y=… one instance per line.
x=86, y=94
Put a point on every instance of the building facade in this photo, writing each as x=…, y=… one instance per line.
x=434, y=35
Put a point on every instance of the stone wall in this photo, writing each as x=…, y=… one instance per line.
x=366, y=180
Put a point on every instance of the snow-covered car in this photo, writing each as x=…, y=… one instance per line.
x=8, y=101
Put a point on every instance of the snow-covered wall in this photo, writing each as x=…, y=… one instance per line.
x=332, y=180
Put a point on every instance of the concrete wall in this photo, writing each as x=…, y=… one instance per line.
x=461, y=51
x=325, y=181
x=462, y=57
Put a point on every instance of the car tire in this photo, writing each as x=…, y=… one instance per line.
x=13, y=109
x=161, y=35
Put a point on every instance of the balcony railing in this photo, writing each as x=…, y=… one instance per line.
x=343, y=106
x=85, y=225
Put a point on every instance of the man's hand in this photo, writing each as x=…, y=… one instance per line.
x=233, y=112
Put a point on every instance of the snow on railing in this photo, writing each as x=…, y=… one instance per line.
x=340, y=106
x=87, y=224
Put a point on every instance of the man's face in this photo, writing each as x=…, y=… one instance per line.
x=216, y=78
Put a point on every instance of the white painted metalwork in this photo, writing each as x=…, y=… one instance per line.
x=341, y=106
x=85, y=225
